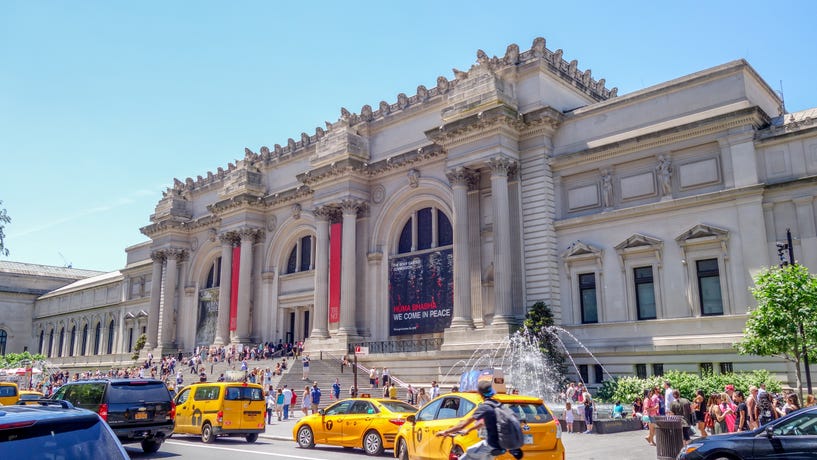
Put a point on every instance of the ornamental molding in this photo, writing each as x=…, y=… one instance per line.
x=752, y=116
x=500, y=119
x=462, y=176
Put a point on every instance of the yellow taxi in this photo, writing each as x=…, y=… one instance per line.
x=369, y=423
x=30, y=397
x=9, y=394
x=417, y=439
x=221, y=409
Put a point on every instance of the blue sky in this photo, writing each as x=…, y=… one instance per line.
x=103, y=103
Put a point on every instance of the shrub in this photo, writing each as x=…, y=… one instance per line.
x=625, y=389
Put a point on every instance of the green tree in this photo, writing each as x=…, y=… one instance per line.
x=4, y=219
x=140, y=343
x=17, y=359
x=784, y=324
x=539, y=321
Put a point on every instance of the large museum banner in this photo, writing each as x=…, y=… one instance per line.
x=421, y=292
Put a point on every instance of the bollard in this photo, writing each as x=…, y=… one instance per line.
x=669, y=436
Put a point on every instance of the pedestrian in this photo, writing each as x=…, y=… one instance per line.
x=588, y=413
x=682, y=407
x=305, y=361
x=742, y=423
x=422, y=397
x=373, y=377
x=279, y=403
x=386, y=376
x=336, y=388
x=410, y=395
x=751, y=407
x=483, y=417
x=569, y=416
x=270, y=405
x=316, y=397
x=650, y=412
x=287, y=401
x=435, y=389
x=699, y=408
x=306, y=400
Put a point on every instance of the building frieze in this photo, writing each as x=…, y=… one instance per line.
x=752, y=116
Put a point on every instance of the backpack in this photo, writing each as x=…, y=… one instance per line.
x=508, y=427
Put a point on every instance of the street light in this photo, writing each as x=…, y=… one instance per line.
x=788, y=247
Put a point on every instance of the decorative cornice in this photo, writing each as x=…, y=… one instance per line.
x=752, y=116
x=463, y=130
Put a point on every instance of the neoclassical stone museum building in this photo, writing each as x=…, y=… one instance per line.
x=426, y=226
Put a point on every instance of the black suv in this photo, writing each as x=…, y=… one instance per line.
x=138, y=410
x=56, y=429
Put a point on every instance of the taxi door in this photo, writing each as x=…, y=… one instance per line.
x=447, y=415
x=254, y=408
x=232, y=407
x=418, y=443
x=357, y=421
x=331, y=429
x=183, y=412
x=205, y=406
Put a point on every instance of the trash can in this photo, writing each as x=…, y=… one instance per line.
x=669, y=436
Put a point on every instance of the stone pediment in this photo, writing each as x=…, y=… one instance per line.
x=703, y=231
x=581, y=250
x=639, y=241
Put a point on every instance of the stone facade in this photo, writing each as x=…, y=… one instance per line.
x=640, y=219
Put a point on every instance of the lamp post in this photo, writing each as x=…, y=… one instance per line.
x=789, y=247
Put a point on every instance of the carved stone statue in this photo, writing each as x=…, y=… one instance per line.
x=538, y=47
x=366, y=113
x=422, y=93
x=482, y=58
x=459, y=74
x=402, y=101
x=345, y=114
x=296, y=211
x=304, y=139
x=606, y=188
x=442, y=84
x=512, y=54
x=414, y=178
x=664, y=172
x=385, y=108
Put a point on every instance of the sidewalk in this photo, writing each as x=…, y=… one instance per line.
x=281, y=431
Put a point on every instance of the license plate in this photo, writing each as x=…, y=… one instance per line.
x=528, y=439
x=140, y=416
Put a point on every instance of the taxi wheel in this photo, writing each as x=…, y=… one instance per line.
x=207, y=435
x=402, y=450
x=373, y=443
x=252, y=437
x=306, y=439
x=150, y=447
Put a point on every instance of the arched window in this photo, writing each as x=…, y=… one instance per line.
x=42, y=334
x=300, y=258
x=214, y=275
x=110, y=337
x=427, y=228
x=3, y=338
x=50, y=343
x=97, y=337
x=73, y=340
x=61, y=342
x=84, y=340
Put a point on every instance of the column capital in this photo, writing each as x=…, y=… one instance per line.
x=502, y=166
x=158, y=255
x=462, y=176
x=176, y=253
x=351, y=206
x=250, y=234
x=325, y=213
x=227, y=238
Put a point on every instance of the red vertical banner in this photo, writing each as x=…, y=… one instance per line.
x=234, y=287
x=335, y=240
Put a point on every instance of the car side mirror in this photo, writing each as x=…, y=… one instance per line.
x=321, y=411
x=769, y=432
x=410, y=418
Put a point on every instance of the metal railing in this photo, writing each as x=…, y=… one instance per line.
x=400, y=346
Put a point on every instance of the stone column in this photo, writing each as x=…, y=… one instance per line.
x=461, y=181
x=155, y=297
x=503, y=308
x=320, y=327
x=242, y=331
x=348, y=299
x=169, y=304
x=225, y=284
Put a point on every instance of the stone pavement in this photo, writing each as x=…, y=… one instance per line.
x=629, y=445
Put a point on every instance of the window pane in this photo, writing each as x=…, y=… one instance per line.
x=641, y=371
x=587, y=292
x=710, y=290
x=658, y=369
x=424, y=228
x=583, y=373
x=306, y=253
x=645, y=296
x=599, y=371
x=706, y=369
x=726, y=368
x=293, y=260
x=444, y=231
x=405, y=239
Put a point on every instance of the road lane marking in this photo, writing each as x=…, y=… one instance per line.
x=246, y=451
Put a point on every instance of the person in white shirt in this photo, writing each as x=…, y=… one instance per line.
x=287, y=401
x=435, y=389
x=668, y=397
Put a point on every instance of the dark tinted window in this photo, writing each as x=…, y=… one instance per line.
x=7, y=391
x=66, y=440
x=131, y=392
x=446, y=234
x=243, y=394
x=206, y=393
x=424, y=229
x=362, y=407
x=84, y=393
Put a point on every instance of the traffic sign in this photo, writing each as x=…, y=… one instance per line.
x=361, y=350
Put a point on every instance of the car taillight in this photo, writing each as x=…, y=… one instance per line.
x=13, y=425
x=172, y=410
x=453, y=456
x=398, y=421
x=558, y=430
x=220, y=417
x=103, y=411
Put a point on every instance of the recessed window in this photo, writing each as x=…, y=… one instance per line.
x=50, y=343
x=300, y=258
x=84, y=340
x=641, y=371
x=61, y=341
x=72, y=341
x=130, y=339
x=598, y=372
x=709, y=287
x=110, y=337
x=584, y=373
x=644, y=292
x=587, y=295
x=658, y=369
x=3, y=339
x=214, y=275
x=706, y=369
x=427, y=228
x=97, y=337
x=726, y=368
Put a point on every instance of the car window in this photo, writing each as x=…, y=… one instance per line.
x=530, y=412
x=362, y=407
x=466, y=407
x=133, y=392
x=7, y=391
x=250, y=394
x=60, y=394
x=394, y=406
x=85, y=393
x=338, y=408
x=448, y=408
x=799, y=425
x=182, y=398
x=232, y=394
x=71, y=440
x=429, y=411
x=208, y=393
